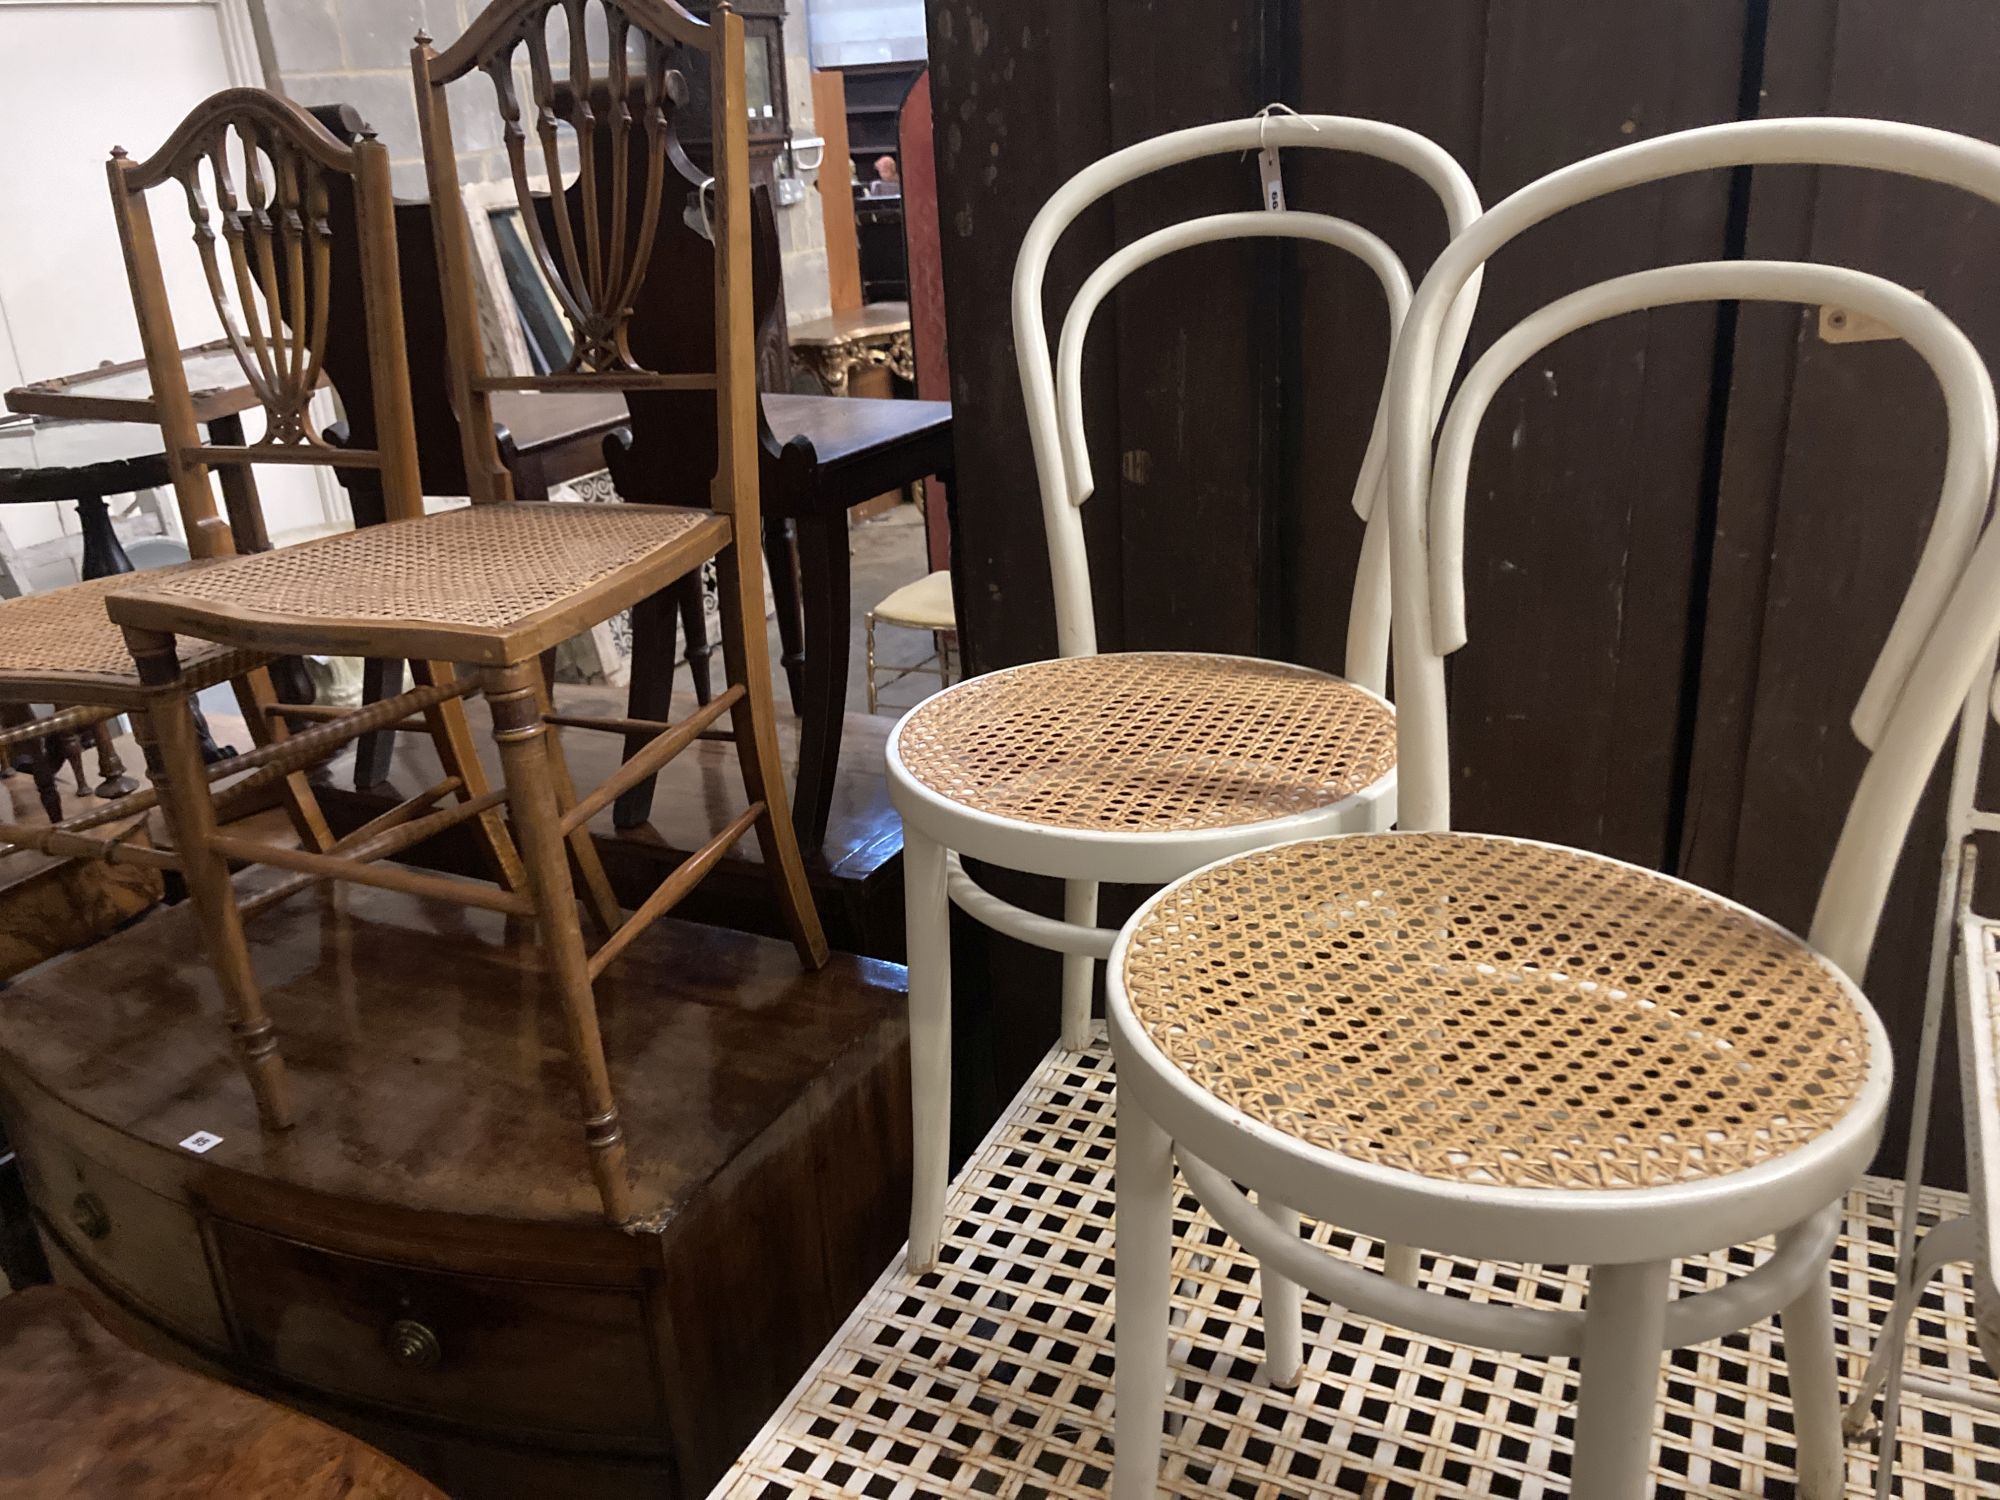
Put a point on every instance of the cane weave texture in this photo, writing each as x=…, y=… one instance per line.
x=1491, y=1011
x=66, y=633
x=480, y=567
x=1149, y=742
x=992, y=1375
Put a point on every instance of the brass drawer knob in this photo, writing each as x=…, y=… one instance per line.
x=88, y=1214
x=412, y=1345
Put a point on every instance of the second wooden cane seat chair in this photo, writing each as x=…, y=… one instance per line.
x=1137, y=767
x=471, y=597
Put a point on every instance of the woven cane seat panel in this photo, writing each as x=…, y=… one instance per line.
x=1149, y=742
x=1493, y=1012
x=66, y=633
x=481, y=567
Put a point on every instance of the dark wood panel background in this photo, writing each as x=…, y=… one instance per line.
x=1688, y=529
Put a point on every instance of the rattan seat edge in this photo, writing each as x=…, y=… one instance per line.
x=240, y=623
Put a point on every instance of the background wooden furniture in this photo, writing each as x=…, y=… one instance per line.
x=88, y=1415
x=875, y=335
x=422, y=1261
x=1720, y=661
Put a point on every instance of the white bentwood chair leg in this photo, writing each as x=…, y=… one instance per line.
x=1079, y=969
x=1284, y=1339
x=1399, y=1264
x=1143, y=1254
x=927, y=928
x=1618, y=1382
x=1812, y=1371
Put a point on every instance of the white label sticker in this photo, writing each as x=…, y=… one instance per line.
x=1274, y=181
x=201, y=1141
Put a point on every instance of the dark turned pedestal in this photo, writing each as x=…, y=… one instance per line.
x=420, y=1260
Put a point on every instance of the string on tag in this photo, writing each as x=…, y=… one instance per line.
x=1268, y=170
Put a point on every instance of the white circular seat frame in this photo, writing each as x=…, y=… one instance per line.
x=1629, y=1236
x=938, y=829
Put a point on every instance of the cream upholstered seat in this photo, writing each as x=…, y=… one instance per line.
x=1492, y=1011
x=485, y=584
x=1149, y=742
x=923, y=605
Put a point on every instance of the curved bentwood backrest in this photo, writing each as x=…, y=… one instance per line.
x=1951, y=612
x=1053, y=392
x=601, y=78
x=256, y=174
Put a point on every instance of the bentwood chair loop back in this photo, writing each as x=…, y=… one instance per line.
x=1136, y=766
x=1503, y=1049
x=473, y=596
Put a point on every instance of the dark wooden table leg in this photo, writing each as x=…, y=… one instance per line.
x=35, y=759
x=691, y=602
x=783, y=563
x=824, y=566
x=375, y=752
x=112, y=781
x=651, y=693
x=21, y=1258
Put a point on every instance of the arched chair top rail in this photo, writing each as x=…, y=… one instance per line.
x=1963, y=569
x=197, y=133
x=1917, y=151
x=502, y=24
x=1961, y=375
x=1055, y=467
x=1289, y=224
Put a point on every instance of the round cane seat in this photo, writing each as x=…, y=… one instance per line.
x=65, y=634
x=1489, y=1011
x=483, y=567
x=1149, y=742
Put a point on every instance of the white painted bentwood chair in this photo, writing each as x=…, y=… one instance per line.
x=1137, y=766
x=1502, y=1049
x=1964, y=945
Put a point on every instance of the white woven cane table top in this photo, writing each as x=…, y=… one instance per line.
x=1497, y=1012
x=1149, y=742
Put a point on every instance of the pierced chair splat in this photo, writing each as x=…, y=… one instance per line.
x=1138, y=766
x=1593, y=1064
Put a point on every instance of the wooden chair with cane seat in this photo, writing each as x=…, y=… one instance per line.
x=474, y=596
x=1136, y=767
x=1501, y=1049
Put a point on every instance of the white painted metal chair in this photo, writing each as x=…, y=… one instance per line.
x=1964, y=946
x=1502, y=1049
x=1137, y=766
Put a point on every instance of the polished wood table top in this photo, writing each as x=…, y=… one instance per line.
x=84, y=1414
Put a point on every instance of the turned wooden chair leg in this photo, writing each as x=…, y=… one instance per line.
x=459, y=757
x=514, y=696
x=35, y=751
x=690, y=603
x=71, y=745
x=746, y=654
x=173, y=760
x=256, y=696
x=599, y=898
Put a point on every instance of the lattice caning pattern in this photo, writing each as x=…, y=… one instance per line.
x=992, y=1376
x=65, y=632
x=483, y=566
x=1491, y=1011
x=1149, y=742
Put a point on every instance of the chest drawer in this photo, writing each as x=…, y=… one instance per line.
x=145, y=1245
x=520, y=1353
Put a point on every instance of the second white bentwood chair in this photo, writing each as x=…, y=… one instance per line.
x=1137, y=767
x=1502, y=1049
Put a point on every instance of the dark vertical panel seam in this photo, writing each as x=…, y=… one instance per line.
x=1279, y=508
x=1735, y=234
